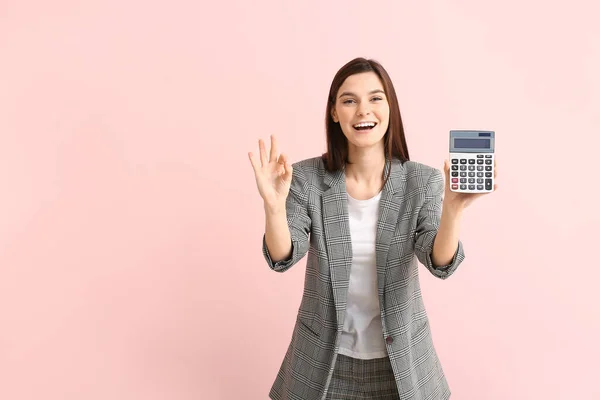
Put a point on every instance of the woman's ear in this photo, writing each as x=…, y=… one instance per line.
x=334, y=115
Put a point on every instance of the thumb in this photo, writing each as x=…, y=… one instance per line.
x=289, y=170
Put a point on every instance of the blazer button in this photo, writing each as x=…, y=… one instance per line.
x=389, y=340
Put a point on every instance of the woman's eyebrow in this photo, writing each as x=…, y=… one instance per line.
x=371, y=92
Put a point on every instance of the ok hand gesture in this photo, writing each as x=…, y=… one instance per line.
x=273, y=175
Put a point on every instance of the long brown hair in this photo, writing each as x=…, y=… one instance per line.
x=336, y=156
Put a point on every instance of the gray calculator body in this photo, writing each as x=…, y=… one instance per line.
x=472, y=161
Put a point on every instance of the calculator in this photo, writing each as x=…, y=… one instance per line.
x=472, y=161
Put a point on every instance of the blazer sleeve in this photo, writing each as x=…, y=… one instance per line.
x=428, y=223
x=298, y=220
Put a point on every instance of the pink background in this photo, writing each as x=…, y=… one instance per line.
x=130, y=261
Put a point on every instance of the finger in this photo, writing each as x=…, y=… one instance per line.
x=446, y=169
x=263, y=152
x=273, y=155
x=281, y=160
x=447, y=172
x=254, y=162
x=289, y=171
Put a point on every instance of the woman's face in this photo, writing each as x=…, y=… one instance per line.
x=362, y=110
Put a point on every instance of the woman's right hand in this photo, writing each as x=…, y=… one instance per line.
x=273, y=175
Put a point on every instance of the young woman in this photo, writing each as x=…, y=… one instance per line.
x=366, y=216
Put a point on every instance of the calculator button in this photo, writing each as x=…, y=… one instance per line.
x=455, y=168
x=454, y=173
x=455, y=161
x=471, y=180
x=479, y=155
x=480, y=174
x=454, y=180
x=471, y=174
x=488, y=167
x=471, y=168
x=463, y=174
x=488, y=156
x=463, y=160
x=488, y=162
x=479, y=161
x=479, y=187
x=463, y=180
x=488, y=184
x=454, y=187
x=471, y=187
x=480, y=180
x=488, y=174
x=463, y=167
x=472, y=161
x=480, y=168
x=463, y=187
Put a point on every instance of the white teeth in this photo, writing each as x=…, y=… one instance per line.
x=365, y=125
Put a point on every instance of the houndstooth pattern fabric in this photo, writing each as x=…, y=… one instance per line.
x=409, y=216
x=355, y=379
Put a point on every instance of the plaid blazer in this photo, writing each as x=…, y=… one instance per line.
x=317, y=215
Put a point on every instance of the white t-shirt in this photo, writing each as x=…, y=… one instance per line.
x=362, y=335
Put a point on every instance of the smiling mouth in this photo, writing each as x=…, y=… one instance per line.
x=364, y=126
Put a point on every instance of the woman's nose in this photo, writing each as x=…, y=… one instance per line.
x=363, y=110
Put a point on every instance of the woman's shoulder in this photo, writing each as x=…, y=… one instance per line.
x=419, y=168
x=419, y=175
x=313, y=164
x=309, y=173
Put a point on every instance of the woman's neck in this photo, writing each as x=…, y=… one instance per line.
x=366, y=166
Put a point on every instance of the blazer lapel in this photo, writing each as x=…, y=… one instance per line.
x=336, y=228
x=389, y=209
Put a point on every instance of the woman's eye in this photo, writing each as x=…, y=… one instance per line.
x=348, y=101
x=377, y=98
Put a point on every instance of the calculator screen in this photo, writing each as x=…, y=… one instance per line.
x=467, y=143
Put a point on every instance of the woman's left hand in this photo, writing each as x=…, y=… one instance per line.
x=459, y=201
